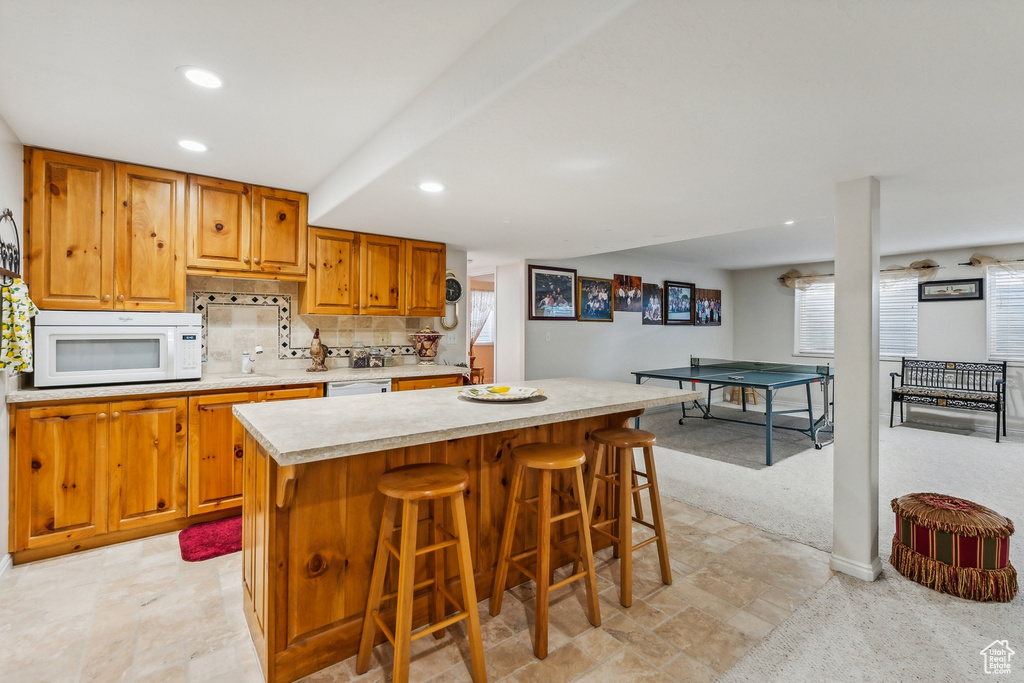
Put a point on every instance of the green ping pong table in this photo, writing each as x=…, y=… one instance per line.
x=717, y=373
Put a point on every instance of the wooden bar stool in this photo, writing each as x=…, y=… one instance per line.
x=624, y=440
x=412, y=484
x=546, y=457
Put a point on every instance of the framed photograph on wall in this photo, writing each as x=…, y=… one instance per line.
x=594, y=299
x=677, y=303
x=627, y=293
x=552, y=293
x=950, y=290
x=707, y=307
x=651, y=304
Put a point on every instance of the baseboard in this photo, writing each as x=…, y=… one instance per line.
x=5, y=563
x=858, y=570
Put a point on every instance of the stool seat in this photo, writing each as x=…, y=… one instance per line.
x=548, y=456
x=624, y=437
x=423, y=482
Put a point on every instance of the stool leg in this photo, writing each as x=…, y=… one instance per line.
x=659, y=525
x=638, y=506
x=406, y=585
x=476, y=647
x=437, y=599
x=501, y=571
x=380, y=569
x=540, y=640
x=587, y=553
x=625, y=528
x=591, y=495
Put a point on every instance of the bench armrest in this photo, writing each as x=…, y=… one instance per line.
x=894, y=375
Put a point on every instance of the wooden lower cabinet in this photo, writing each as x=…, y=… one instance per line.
x=147, y=462
x=426, y=382
x=60, y=475
x=215, y=445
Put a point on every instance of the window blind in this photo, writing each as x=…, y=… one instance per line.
x=1005, y=313
x=816, y=318
x=897, y=316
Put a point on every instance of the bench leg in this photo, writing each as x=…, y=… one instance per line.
x=901, y=412
x=892, y=411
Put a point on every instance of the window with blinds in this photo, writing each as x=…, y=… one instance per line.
x=1005, y=313
x=897, y=318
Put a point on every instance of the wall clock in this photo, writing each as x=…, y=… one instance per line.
x=452, y=295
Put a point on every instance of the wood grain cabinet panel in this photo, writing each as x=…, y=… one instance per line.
x=426, y=383
x=215, y=452
x=424, y=278
x=69, y=230
x=381, y=264
x=60, y=475
x=220, y=224
x=278, y=231
x=332, y=276
x=147, y=462
x=149, y=239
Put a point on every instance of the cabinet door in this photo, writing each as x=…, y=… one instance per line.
x=380, y=275
x=69, y=231
x=424, y=278
x=147, y=462
x=426, y=383
x=215, y=452
x=278, y=231
x=332, y=279
x=149, y=272
x=60, y=480
x=219, y=224
x=315, y=391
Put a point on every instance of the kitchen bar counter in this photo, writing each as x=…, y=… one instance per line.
x=311, y=510
x=229, y=381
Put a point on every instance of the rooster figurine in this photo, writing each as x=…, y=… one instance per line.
x=318, y=352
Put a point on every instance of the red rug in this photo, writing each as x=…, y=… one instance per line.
x=211, y=539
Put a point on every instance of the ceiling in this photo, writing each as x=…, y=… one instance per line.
x=560, y=128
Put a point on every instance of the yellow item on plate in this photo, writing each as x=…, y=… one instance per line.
x=499, y=390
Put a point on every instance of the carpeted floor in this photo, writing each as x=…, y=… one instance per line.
x=890, y=629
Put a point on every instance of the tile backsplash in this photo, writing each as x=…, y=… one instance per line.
x=240, y=314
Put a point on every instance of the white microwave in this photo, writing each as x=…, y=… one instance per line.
x=112, y=347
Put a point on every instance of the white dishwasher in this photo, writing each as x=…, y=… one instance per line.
x=356, y=387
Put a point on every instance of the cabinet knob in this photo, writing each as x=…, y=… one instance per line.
x=106, y=297
x=101, y=416
x=256, y=261
x=245, y=259
x=115, y=415
x=120, y=297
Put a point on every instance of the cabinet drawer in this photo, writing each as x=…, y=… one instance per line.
x=426, y=383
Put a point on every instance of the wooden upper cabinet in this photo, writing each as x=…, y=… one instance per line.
x=278, y=231
x=332, y=278
x=219, y=224
x=381, y=265
x=60, y=475
x=69, y=231
x=424, y=278
x=147, y=462
x=149, y=239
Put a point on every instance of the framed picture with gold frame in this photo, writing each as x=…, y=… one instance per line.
x=594, y=299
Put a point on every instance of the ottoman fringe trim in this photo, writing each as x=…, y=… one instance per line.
x=972, y=521
x=984, y=585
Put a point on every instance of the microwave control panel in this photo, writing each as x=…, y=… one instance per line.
x=189, y=348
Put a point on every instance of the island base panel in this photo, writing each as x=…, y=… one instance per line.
x=310, y=532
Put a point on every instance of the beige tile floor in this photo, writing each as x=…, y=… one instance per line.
x=136, y=612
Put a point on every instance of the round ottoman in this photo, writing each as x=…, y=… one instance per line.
x=954, y=546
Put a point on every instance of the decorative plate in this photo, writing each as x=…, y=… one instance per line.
x=499, y=392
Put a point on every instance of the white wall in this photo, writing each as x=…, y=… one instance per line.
x=456, y=351
x=509, y=317
x=12, y=191
x=947, y=330
x=613, y=350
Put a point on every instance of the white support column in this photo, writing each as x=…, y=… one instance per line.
x=855, y=474
x=510, y=322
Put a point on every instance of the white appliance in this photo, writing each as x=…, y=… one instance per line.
x=356, y=387
x=112, y=347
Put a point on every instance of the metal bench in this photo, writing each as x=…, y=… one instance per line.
x=966, y=386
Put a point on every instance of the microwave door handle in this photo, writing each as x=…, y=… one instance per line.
x=172, y=361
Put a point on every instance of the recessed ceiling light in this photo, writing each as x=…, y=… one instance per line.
x=789, y=222
x=192, y=145
x=431, y=186
x=201, y=77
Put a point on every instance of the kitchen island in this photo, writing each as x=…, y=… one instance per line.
x=311, y=509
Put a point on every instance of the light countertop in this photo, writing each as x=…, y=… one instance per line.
x=214, y=382
x=308, y=430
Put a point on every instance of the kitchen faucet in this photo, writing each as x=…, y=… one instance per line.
x=249, y=361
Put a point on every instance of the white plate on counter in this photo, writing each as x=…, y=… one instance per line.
x=499, y=392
